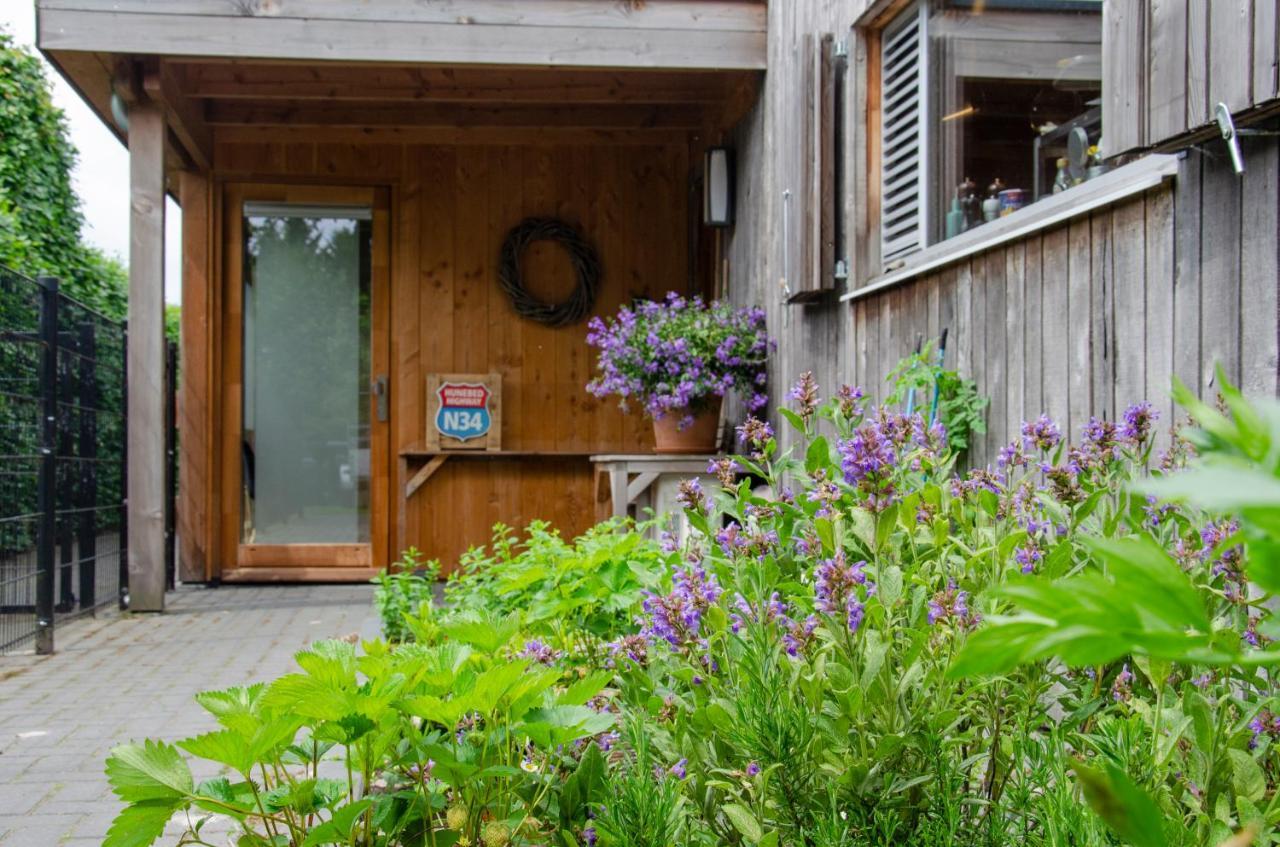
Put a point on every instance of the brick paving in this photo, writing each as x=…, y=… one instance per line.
x=122, y=678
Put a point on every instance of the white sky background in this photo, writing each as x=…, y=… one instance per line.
x=101, y=177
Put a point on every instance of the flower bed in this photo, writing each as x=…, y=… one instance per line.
x=882, y=652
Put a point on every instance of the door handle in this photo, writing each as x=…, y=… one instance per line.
x=381, y=398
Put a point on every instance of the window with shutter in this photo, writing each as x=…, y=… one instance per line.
x=984, y=107
x=903, y=135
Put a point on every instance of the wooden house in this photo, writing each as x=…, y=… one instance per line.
x=1048, y=180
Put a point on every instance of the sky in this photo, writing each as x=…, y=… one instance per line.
x=101, y=176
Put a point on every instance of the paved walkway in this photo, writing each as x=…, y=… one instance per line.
x=118, y=679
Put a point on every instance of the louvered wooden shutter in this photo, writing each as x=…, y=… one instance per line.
x=903, y=76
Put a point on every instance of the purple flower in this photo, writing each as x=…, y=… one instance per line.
x=951, y=606
x=691, y=496
x=679, y=769
x=1265, y=727
x=679, y=354
x=1121, y=686
x=836, y=589
x=798, y=635
x=589, y=836
x=1137, y=423
x=755, y=433
x=1041, y=434
x=539, y=652
x=725, y=469
x=753, y=768
x=848, y=399
x=676, y=618
x=1028, y=556
x=805, y=395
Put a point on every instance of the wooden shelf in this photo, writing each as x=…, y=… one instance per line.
x=435, y=458
x=421, y=451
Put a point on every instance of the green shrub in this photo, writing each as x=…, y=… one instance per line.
x=405, y=591
x=882, y=653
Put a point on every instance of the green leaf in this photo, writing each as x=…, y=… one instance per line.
x=818, y=455
x=224, y=746
x=1246, y=776
x=140, y=824
x=338, y=828
x=149, y=771
x=584, y=689
x=889, y=589
x=1122, y=805
x=793, y=419
x=744, y=822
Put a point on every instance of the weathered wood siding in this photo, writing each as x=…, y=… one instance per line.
x=454, y=197
x=1078, y=320
x=1168, y=63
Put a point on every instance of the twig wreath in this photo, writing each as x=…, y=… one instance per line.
x=585, y=263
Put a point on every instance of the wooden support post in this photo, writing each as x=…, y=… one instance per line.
x=146, y=357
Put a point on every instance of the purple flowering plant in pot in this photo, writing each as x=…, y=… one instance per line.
x=676, y=359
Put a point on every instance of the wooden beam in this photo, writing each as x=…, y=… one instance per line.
x=185, y=116
x=374, y=114
x=213, y=29
x=705, y=15
x=239, y=80
x=145, y=358
x=423, y=474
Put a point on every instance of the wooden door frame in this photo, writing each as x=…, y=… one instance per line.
x=301, y=562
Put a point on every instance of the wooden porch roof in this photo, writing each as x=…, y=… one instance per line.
x=220, y=65
x=672, y=34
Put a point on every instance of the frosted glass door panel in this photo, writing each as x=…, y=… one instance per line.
x=306, y=376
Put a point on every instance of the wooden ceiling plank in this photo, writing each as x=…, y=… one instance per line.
x=242, y=81
x=374, y=114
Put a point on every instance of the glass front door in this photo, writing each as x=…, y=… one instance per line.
x=306, y=374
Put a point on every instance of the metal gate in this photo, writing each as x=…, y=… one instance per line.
x=63, y=516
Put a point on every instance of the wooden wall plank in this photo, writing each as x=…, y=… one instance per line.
x=1124, y=77
x=997, y=365
x=1266, y=50
x=1161, y=253
x=195, y=411
x=1033, y=347
x=1055, y=283
x=1187, y=273
x=1230, y=51
x=1260, y=272
x=1129, y=321
x=1167, y=92
x=1101, y=308
x=1220, y=260
x=1199, y=109
x=1015, y=274
x=1079, y=328
x=408, y=402
x=979, y=452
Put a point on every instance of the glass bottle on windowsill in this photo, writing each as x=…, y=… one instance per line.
x=1062, y=181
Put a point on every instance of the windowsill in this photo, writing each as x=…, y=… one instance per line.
x=1124, y=181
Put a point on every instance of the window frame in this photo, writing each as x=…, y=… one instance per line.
x=867, y=85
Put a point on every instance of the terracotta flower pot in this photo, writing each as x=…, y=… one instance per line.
x=698, y=437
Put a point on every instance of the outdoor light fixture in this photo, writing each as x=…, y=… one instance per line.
x=717, y=187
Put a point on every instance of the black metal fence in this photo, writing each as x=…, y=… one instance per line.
x=63, y=521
